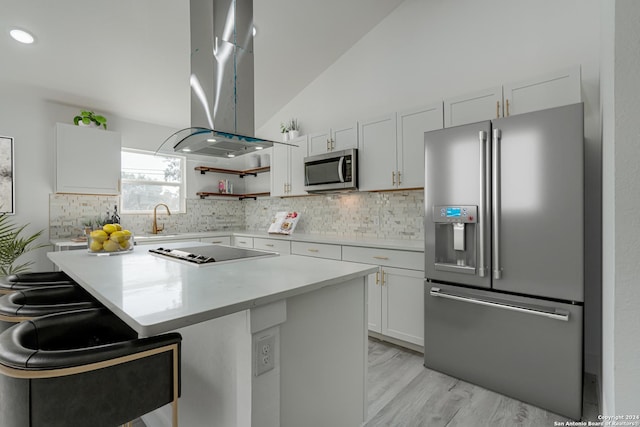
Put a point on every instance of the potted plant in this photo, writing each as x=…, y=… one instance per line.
x=89, y=117
x=284, y=130
x=294, y=129
x=12, y=246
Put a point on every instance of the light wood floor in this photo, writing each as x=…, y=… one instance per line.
x=403, y=393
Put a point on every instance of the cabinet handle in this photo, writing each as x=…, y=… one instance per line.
x=399, y=178
x=507, y=114
x=268, y=245
x=328, y=144
x=313, y=250
x=216, y=241
x=242, y=241
x=333, y=144
x=497, y=109
x=377, y=277
x=382, y=280
x=393, y=178
x=381, y=257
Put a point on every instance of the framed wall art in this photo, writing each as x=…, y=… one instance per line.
x=7, y=186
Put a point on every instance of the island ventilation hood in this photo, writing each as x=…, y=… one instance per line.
x=222, y=104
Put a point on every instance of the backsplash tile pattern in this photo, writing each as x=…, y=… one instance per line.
x=67, y=212
x=390, y=215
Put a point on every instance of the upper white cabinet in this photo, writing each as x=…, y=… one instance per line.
x=391, y=153
x=377, y=153
x=473, y=107
x=287, y=168
x=87, y=160
x=550, y=90
x=334, y=139
x=411, y=126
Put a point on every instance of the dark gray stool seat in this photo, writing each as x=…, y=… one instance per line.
x=16, y=282
x=84, y=368
x=27, y=304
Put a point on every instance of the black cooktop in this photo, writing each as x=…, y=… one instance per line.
x=209, y=254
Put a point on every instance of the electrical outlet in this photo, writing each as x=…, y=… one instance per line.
x=264, y=354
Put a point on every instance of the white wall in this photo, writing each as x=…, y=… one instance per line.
x=425, y=51
x=621, y=230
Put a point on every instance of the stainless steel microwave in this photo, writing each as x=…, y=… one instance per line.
x=329, y=172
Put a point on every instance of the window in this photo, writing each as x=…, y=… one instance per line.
x=149, y=179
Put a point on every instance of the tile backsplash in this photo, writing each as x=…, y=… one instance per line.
x=391, y=215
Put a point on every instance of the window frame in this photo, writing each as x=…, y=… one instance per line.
x=182, y=185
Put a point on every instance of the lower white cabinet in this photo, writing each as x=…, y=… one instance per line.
x=395, y=292
x=283, y=247
x=222, y=240
x=317, y=250
x=242, y=242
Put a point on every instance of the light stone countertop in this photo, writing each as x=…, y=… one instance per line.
x=397, y=244
x=154, y=295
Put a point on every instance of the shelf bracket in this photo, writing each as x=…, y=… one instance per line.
x=247, y=197
x=242, y=175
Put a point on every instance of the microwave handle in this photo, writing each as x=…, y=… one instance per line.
x=341, y=168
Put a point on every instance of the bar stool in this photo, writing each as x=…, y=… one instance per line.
x=85, y=368
x=16, y=282
x=31, y=303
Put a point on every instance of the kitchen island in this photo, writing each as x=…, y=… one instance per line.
x=312, y=310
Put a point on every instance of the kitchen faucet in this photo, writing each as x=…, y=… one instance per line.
x=155, y=229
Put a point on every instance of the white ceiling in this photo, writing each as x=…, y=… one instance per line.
x=131, y=58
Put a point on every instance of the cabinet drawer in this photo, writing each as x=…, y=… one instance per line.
x=281, y=246
x=222, y=240
x=243, y=242
x=318, y=250
x=386, y=257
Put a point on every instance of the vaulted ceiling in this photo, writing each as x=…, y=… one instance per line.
x=131, y=58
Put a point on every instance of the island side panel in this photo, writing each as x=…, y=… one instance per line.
x=323, y=357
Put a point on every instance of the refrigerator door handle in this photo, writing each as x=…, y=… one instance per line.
x=556, y=314
x=482, y=136
x=497, y=268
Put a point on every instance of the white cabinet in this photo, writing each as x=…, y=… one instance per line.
x=242, y=242
x=411, y=126
x=317, y=250
x=391, y=150
x=377, y=153
x=287, y=168
x=334, y=139
x=283, y=247
x=548, y=91
x=554, y=89
x=87, y=160
x=473, y=107
x=395, y=291
x=221, y=240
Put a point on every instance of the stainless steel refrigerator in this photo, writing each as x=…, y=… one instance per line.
x=504, y=281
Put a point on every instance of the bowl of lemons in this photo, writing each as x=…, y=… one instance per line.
x=111, y=239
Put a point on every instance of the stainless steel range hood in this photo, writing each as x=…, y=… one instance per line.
x=222, y=104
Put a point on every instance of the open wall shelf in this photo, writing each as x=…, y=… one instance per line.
x=240, y=173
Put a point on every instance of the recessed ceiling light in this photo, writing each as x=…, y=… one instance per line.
x=22, y=36
x=186, y=150
x=231, y=155
x=254, y=31
x=259, y=147
x=211, y=140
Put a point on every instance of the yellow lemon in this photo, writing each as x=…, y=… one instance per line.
x=127, y=234
x=109, y=228
x=118, y=227
x=110, y=246
x=125, y=245
x=117, y=236
x=98, y=236
x=95, y=246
